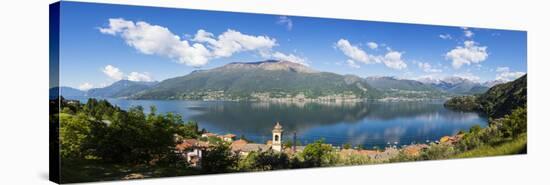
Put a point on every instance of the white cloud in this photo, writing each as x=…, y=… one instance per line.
x=85, y=86
x=117, y=26
x=468, y=33
x=289, y=57
x=140, y=77
x=157, y=40
x=445, y=36
x=232, y=41
x=437, y=78
x=468, y=76
x=353, y=52
x=352, y=64
x=116, y=74
x=504, y=74
x=372, y=45
x=393, y=60
x=426, y=67
x=468, y=54
x=101, y=85
x=113, y=72
x=284, y=20
x=429, y=78
x=502, y=69
x=509, y=76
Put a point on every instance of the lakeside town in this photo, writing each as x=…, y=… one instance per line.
x=192, y=149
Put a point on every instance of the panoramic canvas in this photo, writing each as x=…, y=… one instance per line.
x=142, y=92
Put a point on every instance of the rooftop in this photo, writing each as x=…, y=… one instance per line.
x=278, y=127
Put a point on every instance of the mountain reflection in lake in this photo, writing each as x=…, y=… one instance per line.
x=367, y=123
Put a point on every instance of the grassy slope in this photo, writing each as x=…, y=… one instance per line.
x=516, y=146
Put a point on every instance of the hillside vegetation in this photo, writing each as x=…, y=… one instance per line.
x=498, y=101
x=261, y=80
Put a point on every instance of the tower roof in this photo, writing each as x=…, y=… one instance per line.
x=278, y=127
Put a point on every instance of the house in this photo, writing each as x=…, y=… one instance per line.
x=252, y=147
x=208, y=134
x=295, y=150
x=228, y=137
x=451, y=139
x=191, y=150
x=238, y=145
x=73, y=102
x=178, y=138
x=244, y=148
x=414, y=150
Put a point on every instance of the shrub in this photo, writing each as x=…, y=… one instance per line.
x=268, y=160
x=317, y=154
x=219, y=159
x=438, y=151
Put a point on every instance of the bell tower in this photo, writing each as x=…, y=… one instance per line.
x=276, y=143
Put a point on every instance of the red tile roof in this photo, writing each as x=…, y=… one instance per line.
x=238, y=145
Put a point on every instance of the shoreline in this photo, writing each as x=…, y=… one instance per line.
x=277, y=100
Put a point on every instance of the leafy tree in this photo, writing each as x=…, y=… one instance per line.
x=403, y=157
x=288, y=144
x=354, y=159
x=499, y=131
x=117, y=136
x=438, y=151
x=214, y=140
x=74, y=134
x=317, y=154
x=218, y=159
x=346, y=146
x=67, y=110
x=516, y=123
x=270, y=160
x=475, y=129
x=466, y=103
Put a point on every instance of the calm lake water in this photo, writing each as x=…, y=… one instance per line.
x=368, y=123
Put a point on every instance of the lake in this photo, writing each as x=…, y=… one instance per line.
x=369, y=124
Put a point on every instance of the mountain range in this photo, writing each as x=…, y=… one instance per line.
x=260, y=81
x=121, y=89
x=459, y=85
x=281, y=80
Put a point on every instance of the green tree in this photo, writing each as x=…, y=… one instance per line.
x=475, y=129
x=515, y=123
x=346, y=146
x=288, y=144
x=218, y=159
x=438, y=151
x=270, y=160
x=317, y=154
x=74, y=133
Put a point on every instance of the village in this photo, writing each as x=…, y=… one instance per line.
x=192, y=149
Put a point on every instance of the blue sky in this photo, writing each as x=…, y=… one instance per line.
x=101, y=44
